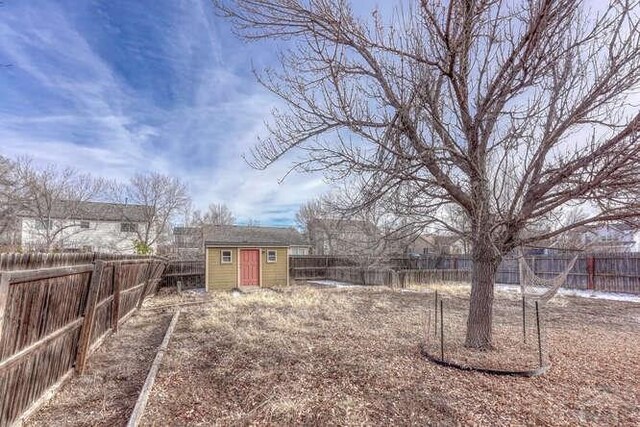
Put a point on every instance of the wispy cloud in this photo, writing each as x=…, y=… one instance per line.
x=152, y=85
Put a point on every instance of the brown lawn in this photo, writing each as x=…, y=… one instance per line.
x=351, y=357
x=106, y=394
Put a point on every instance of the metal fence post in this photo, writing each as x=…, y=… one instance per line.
x=435, y=324
x=441, y=333
x=524, y=321
x=539, y=336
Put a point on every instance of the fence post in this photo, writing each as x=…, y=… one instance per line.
x=441, y=332
x=89, y=316
x=591, y=270
x=524, y=322
x=539, y=336
x=157, y=275
x=435, y=329
x=117, y=285
x=146, y=285
x=5, y=279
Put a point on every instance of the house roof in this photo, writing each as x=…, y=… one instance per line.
x=242, y=235
x=90, y=211
x=187, y=231
x=339, y=222
x=439, y=239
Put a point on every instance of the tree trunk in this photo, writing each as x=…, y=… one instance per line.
x=480, y=320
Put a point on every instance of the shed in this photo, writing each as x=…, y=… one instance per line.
x=246, y=256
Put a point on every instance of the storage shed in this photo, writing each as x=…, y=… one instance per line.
x=247, y=256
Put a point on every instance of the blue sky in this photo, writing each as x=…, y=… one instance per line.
x=117, y=87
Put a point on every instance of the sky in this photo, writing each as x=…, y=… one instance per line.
x=119, y=87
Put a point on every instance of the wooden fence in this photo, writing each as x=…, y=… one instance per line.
x=55, y=309
x=363, y=276
x=418, y=277
x=190, y=273
x=315, y=266
x=608, y=272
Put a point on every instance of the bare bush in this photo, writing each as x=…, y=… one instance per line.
x=162, y=199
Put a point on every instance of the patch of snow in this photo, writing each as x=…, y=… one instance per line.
x=612, y=296
x=333, y=283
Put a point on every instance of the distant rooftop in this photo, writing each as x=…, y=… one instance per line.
x=239, y=234
x=92, y=211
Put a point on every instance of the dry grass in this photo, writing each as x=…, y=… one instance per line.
x=106, y=394
x=351, y=357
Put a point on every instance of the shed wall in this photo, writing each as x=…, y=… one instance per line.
x=275, y=273
x=221, y=276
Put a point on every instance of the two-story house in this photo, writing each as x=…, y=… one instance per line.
x=81, y=226
x=611, y=237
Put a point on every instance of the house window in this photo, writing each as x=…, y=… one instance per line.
x=225, y=257
x=84, y=224
x=128, y=227
x=272, y=256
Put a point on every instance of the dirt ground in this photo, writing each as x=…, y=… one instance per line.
x=106, y=394
x=351, y=356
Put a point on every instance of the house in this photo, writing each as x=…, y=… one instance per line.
x=342, y=236
x=188, y=242
x=609, y=237
x=248, y=256
x=438, y=244
x=73, y=226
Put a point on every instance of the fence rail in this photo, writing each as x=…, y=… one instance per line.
x=55, y=309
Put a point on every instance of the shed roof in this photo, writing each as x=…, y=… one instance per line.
x=243, y=235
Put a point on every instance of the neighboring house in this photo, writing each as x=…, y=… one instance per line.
x=248, y=256
x=188, y=242
x=342, y=237
x=438, y=244
x=419, y=246
x=612, y=237
x=88, y=227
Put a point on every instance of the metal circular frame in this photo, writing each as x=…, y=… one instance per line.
x=514, y=373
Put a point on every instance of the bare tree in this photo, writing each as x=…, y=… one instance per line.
x=512, y=111
x=308, y=212
x=7, y=199
x=216, y=214
x=369, y=234
x=50, y=201
x=162, y=198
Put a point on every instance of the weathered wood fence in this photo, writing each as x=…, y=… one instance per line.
x=608, y=272
x=55, y=309
x=616, y=272
x=189, y=272
x=364, y=276
x=315, y=266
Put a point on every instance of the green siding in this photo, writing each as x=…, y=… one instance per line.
x=225, y=276
x=275, y=273
x=221, y=276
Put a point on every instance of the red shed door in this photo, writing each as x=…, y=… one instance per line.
x=249, y=267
